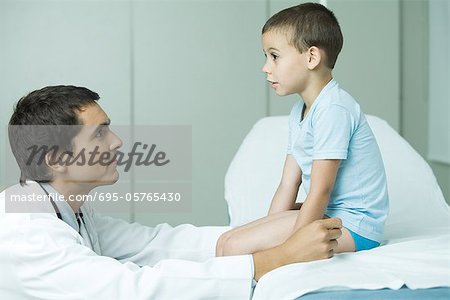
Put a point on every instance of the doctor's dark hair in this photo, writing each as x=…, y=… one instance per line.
x=46, y=117
x=307, y=25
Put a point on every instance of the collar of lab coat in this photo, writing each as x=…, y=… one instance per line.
x=67, y=214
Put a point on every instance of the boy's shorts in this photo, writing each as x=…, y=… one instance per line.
x=361, y=243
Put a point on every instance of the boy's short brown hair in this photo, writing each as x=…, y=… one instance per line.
x=307, y=25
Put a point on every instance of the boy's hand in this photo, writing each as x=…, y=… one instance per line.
x=312, y=242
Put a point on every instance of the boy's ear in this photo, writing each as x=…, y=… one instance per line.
x=314, y=57
x=57, y=162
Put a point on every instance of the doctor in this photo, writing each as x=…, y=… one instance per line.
x=60, y=249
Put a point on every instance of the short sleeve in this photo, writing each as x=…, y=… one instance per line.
x=294, y=118
x=332, y=131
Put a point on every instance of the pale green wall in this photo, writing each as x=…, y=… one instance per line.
x=201, y=66
x=362, y=59
x=64, y=42
x=153, y=62
x=414, y=112
x=199, y=63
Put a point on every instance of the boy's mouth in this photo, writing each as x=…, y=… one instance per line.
x=272, y=83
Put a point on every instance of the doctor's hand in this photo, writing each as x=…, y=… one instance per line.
x=314, y=241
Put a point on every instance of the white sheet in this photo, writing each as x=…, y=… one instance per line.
x=417, y=247
x=418, y=262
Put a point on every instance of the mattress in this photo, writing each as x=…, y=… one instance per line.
x=440, y=293
x=415, y=255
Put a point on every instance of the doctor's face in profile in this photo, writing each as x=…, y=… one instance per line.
x=94, y=150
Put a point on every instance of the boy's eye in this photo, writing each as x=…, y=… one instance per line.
x=274, y=56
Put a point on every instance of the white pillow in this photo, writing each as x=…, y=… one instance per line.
x=416, y=201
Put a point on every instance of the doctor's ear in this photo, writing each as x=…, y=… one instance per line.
x=58, y=162
x=314, y=57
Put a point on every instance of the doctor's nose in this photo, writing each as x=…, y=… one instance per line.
x=116, y=142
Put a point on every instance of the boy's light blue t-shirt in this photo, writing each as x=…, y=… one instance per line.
x=336, y=128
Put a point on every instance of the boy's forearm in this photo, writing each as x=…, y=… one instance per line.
x=312, y=209
x=283, y=199
x=323, y=176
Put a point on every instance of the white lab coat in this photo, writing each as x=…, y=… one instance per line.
x=42, y=257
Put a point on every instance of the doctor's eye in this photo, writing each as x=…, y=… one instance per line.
x=101, y=132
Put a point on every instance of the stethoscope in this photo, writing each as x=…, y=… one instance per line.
x=77, y=215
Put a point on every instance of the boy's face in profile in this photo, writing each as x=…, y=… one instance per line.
x=94, y=137
x=285, y=66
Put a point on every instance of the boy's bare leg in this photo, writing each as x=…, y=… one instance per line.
x=258, y=235
x=265, y=219
x=269, y=232
x=262, y=220
x=345, y=241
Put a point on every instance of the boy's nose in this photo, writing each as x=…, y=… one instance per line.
x=265, y=68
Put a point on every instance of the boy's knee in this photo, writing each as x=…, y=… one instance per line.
x=220, y=243
x=224, y=244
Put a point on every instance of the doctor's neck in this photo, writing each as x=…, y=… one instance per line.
x=74, y=192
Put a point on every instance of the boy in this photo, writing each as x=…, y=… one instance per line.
x=331, y=148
